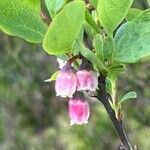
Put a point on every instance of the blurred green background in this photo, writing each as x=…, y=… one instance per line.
x=33, y=118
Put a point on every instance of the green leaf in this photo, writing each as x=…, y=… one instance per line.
x=132, y=40
x=98, y=44
x=91, y=21
x=53, y=77
x=89, y=55
x=75, y=48
x=94, y=2
x=89, y=31
x=120, y=68
x=108, y=47
x=133, y=13
x=65, y=28
x=129, y=95
x=22, y=18
x=112, y=12
x=54, y=6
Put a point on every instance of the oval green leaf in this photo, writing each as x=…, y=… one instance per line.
x=22, y=18
x=133, y=39
x=108, y=47
x=129, y=95
x=65, y=28
x=112, y=12
x=98, y=44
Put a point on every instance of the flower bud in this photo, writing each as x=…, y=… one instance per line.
x=86, y=80
x=79, y=111
x=66, y=82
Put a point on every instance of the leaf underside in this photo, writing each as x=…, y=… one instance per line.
x=133, y=39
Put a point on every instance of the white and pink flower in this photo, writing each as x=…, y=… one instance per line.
x=79, y=111
x=66, y=82
x=86, y=80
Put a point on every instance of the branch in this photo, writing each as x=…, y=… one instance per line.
x=44, y=13
x=102, y=96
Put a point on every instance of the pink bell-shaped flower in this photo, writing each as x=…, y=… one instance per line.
x=79, y=111
x=86, y=80
x=66, y=82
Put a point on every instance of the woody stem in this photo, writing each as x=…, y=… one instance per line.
x=118, y=125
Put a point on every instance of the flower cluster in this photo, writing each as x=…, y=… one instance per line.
x=70, y=82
